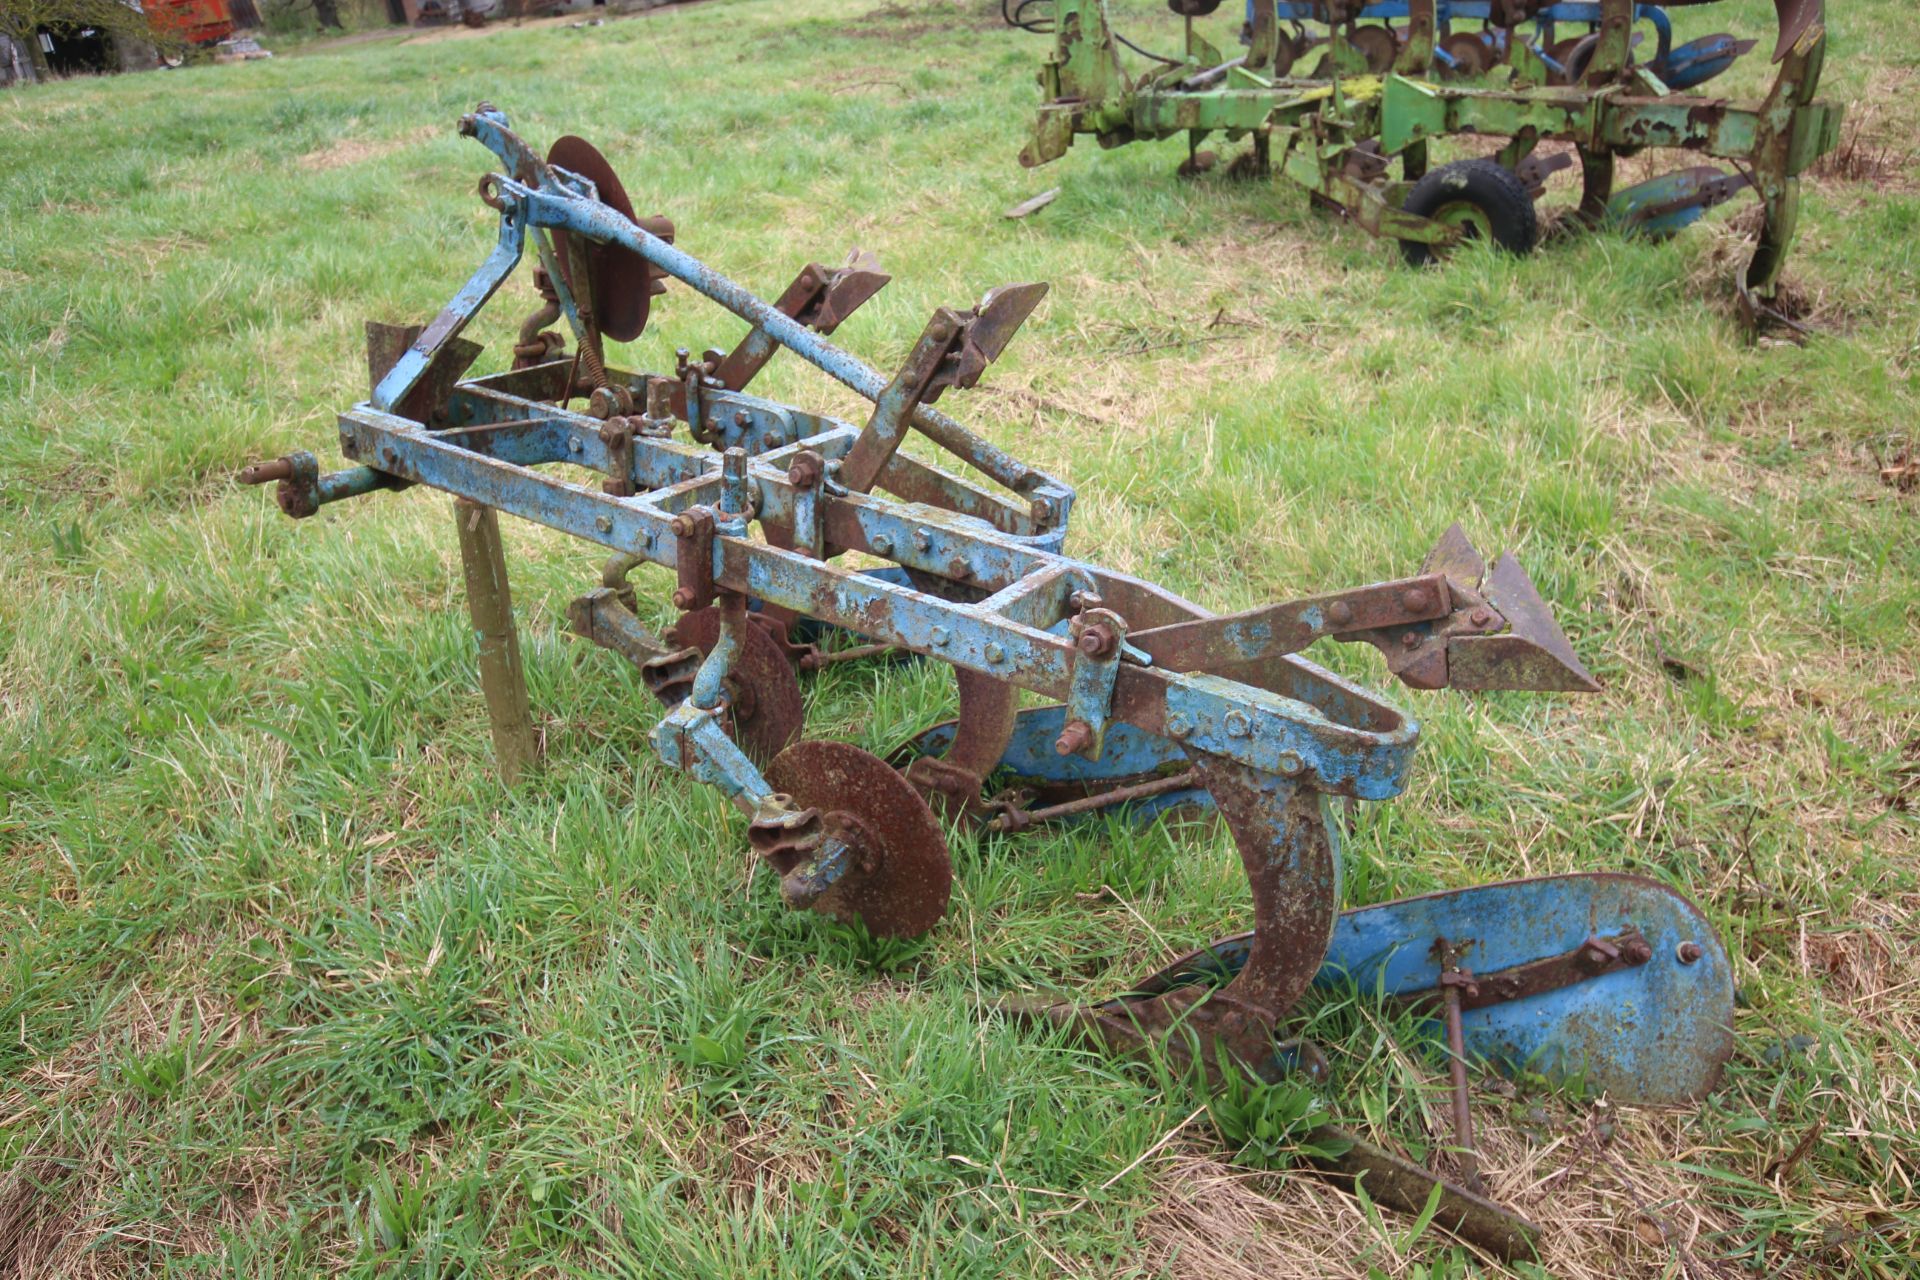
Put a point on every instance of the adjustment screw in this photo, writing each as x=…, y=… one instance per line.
x=1238, y=726
x=1291, y=763
x=1688, y=952
x=996, y=654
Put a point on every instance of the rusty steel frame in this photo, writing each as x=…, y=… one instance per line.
x=1219, y=708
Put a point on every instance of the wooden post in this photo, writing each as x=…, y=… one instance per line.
x=490, y=602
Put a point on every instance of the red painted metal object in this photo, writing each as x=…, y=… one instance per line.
x=195, y=21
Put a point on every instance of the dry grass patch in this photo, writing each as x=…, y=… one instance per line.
x=345, y=151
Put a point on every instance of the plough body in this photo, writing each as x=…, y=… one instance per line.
x=1331, y=91
x=1155, y=700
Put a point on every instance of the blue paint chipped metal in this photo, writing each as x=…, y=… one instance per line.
x=1154, y=703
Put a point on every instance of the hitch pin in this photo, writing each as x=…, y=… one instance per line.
x=266, y=472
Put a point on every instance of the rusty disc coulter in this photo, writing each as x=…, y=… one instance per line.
x=1152, y=702
x=898, y=876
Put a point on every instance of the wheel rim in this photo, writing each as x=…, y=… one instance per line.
x=1468, y=216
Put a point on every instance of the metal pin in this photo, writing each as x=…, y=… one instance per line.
x=1468, y=1158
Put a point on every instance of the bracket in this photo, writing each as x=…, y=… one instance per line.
x=693, y=531
x=952, y=351
x=818, y=298
x=1099, y=639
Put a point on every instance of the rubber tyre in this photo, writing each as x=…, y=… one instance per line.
x=1483, y=190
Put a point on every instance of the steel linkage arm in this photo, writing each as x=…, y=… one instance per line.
x=1456, y=625
x=543, y=199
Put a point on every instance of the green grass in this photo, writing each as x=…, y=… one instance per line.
x=288, y=983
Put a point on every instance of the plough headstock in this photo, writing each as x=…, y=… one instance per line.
x=1153, y=701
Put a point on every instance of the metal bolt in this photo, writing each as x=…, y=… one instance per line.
x=958, y=569
x=1238, y=726
x=1688, y=952
x=1339, y=613
x=941, y=637
x=1291, y=763
x=1481, y=617
x=881, y=544
x=805, y=469
x=1179, y=726
x=995, y=653
x=1417, y=599
x=1075, y=737
x=775, y=439
x=742, y=419
x=922, y=539
x=1410, y=641
x=683, y=597
x=1097, y=640
x=682, y=525
x=603, y=523
x=574, y=445
x=603, y=403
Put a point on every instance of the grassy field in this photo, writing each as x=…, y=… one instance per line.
x=290, y=985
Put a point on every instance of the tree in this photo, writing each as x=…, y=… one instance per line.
x=23, y=20
x=325, y=12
